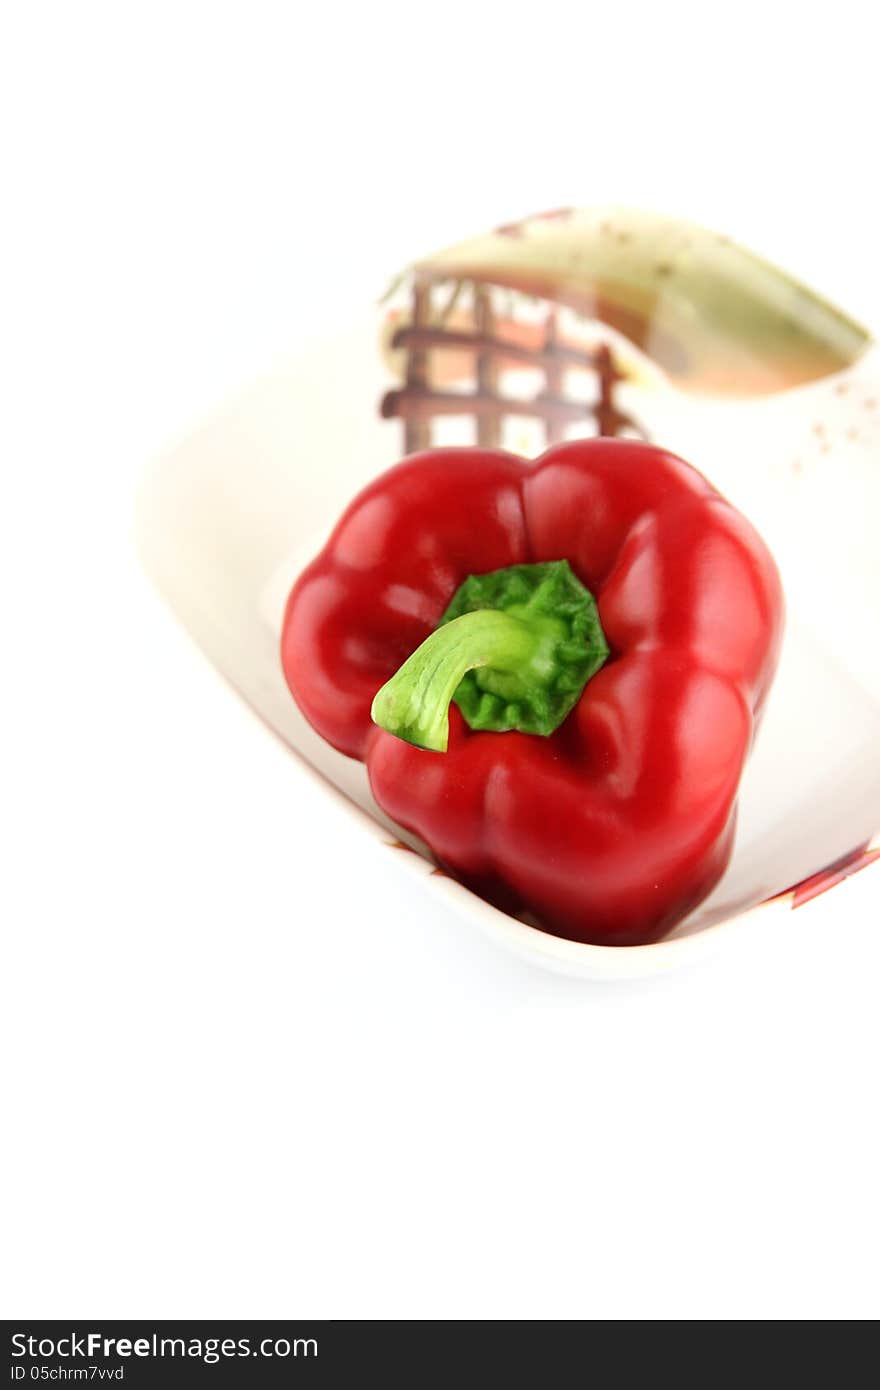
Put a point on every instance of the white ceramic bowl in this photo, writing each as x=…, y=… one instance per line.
x=227, y=519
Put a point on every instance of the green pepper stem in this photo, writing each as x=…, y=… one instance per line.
x=514, y=650
x=414, y=703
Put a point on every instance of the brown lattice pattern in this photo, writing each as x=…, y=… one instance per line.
x=418, y=404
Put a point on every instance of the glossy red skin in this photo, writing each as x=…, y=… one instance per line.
x=619, y=823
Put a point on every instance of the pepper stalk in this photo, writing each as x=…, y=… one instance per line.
x=514, y=650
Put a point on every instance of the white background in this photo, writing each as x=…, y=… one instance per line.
x=238, y=1082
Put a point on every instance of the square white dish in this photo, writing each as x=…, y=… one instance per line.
x=228, y=517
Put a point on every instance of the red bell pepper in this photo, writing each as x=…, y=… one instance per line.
x=565, y=662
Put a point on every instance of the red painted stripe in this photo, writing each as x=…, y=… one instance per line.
x=835, y=873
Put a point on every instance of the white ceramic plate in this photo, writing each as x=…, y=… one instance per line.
x=227, y=519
